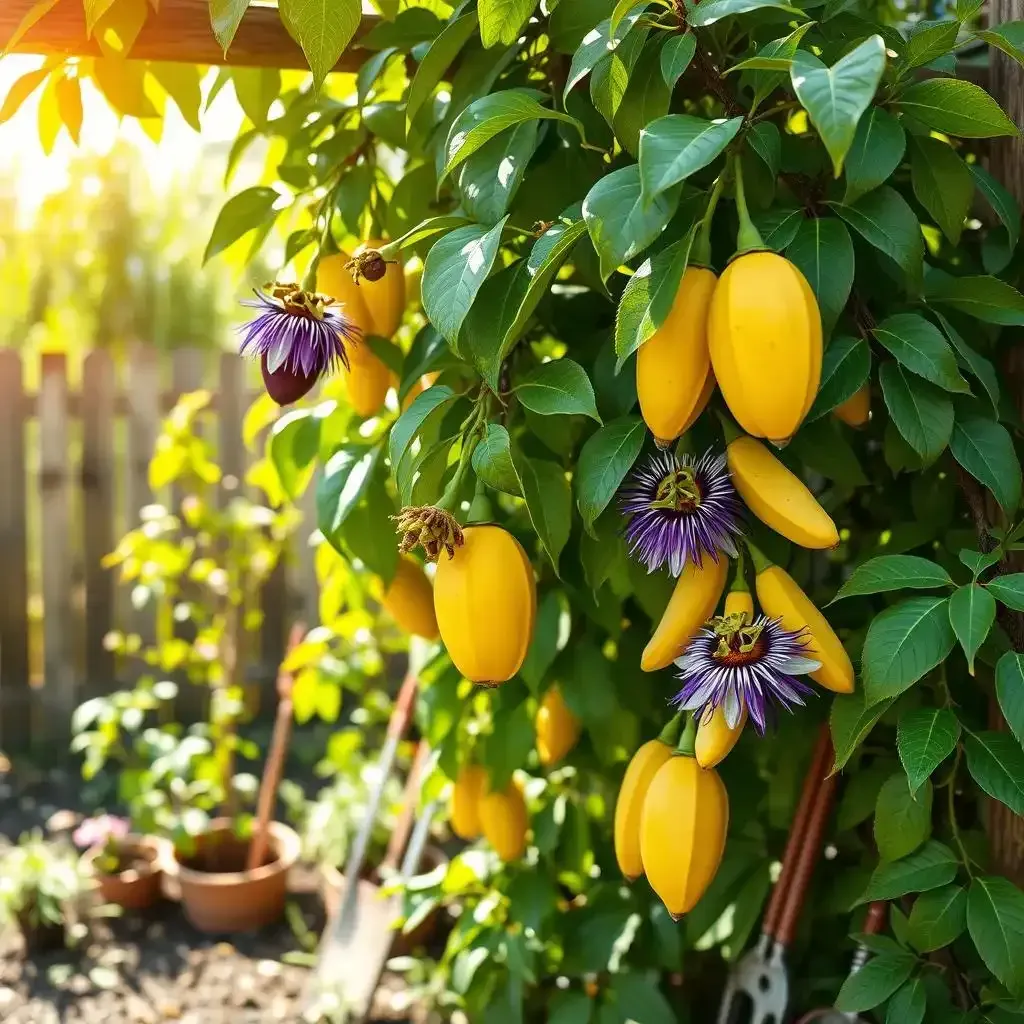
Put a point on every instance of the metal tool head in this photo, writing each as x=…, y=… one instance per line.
x=758, y=987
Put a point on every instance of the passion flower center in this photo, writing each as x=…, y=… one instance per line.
x=678, y=491
x=297, y=302
x=738, y=642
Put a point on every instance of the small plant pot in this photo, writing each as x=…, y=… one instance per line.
x=333, y=889
x=44, y=937
x=137, y=887
x=218, y=895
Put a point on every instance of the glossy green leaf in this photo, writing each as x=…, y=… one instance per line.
x=995, y=920
x=955, y=108
x=322, y=29
x=1007, y=36
x=937, y=918
x=645, y=100
x=875, y=982
x=1010, y=689
x=942, y=183
x=836, y=97
x=909, y=1004
x=604, y=461
x=921, y=412
x=225, y=17
x=851, y=720
x=925, y=737
x=411, y=421
x=674, y=146
x=894, y=572
x=765, y=140
x=676, y=55
x=242, y=213
x=996, y=763
x=883, y=219
x=985, y=449
x=715, y=10
x=928, y=42
x=559, y=387
x=972, y=612
x=548, y=501
x=877, y=150
x=490, y=178
x=903, y=643
x=973, y=362
x=501, y=21
x=436, y=61
x=985, y=298
x=903, y=821
x=544, y=645
x=999, y=198
x=345, y=477
x=823, y=252
x=845, y=368
x=932, y=866
x=492, y=461
x=597, y=44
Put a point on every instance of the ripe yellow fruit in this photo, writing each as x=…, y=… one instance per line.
x=504, y=821
x=385, y=299
x=333, y=279
x=673, y=365
x=409, y=599
x=737, y=601
x=467, y=794
x=778, y=497
x=692, y=603
x=629, y=805
x=714, y=737
x=764, y=336
x=702, y=402
x=682, y=832
x=485, y=599
x=781, y=598
x=558, y=729
x=856, y=410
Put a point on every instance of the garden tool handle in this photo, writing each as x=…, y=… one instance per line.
x=878, y=913
x=400, y=835
x=402, y=711
x=812, y=781
x=808, y=855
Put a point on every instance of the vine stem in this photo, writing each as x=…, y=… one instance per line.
x=951, y=807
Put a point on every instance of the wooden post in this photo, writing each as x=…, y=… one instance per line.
x=15, y=692
x=1006, y=829
x=59, y=690
x=97, y=408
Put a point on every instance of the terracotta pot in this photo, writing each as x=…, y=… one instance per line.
x=333, y=889
x=218, y=895
x=135, y=888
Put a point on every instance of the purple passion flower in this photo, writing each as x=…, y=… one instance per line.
x=298, y=336
x=680, y=509
x=735, y=664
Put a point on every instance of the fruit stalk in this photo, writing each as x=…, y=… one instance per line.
x=748, y=238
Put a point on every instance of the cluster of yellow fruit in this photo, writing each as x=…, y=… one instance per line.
x=499, y=815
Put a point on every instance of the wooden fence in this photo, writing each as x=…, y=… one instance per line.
x=73, y=476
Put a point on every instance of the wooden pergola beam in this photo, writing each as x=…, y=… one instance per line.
x=180, y=31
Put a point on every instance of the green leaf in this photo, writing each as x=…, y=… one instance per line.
x=492, y=461
x=489, y=115
x=676, y=55
x=920, y=346
x=242, y=213
x=764, y=139
x=894, y=572
x=985, y=298
x=411, y=421
x=544, y=645
x=182, y=82
x=1000, y=200
x=995, y=920
x=903, y=643
x=876, y=152
x=69, y=104
x=548, y=501
x=675, y=146
x=490, y=178
x=932, y=866
x=714, y=10
x=875, y=982
x=955, y=107
x=1008, y=37
x=985, y=449
x=436, y=61
x=909, y=1004
x=640, y=1001
x=996, y=763
x=976, y=364
x=322, y=29
x=21, y=89
x=883, y=219
x=823, y=253
x=778, y=225
x=455, y=268
x=845, y=368
x=928, y=42
x=604, y=461
x=558, y=387
x=646, y=98
x=225, y=17
x=1009, y=590
x=836, y=97
x=620, y=222
x=570, y=1007
x=648, y=297
x=597, y=44
x=1010, y=689
x=921, y=412
x=293, y=444
x=851, y=721
x=502, y=21
x=903, y=821
x=942, y=183
x=972, y=611
x=343, y=481
x=937, y=918
x=925, y=738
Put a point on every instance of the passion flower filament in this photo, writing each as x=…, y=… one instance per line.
x=734, y=664
x=299, y=336
x=680, y=509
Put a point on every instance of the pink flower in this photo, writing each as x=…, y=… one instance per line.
x=99, y=831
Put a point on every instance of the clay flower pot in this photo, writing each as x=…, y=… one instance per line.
x=218, y=895
x=136, y=887
x=333, y=890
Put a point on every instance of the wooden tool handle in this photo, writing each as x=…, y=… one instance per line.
x=878, y=913
x=812, y=780
x=810, y=850
x=400, y=836
x=402, y=711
